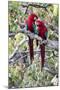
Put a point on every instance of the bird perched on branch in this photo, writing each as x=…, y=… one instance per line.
x=30, y=25
x=42, y=32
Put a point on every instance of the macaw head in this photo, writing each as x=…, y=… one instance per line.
x=33, y=17
x=39, y=23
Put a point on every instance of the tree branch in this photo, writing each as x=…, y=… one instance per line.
x=37, y=5
x=55, y=28
x=51, y=43
x=51, y=72
x=17, y=47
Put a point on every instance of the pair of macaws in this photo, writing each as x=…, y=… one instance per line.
x=37, y=27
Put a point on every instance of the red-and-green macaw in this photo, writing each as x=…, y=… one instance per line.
x=42, y=32
x=30, y=25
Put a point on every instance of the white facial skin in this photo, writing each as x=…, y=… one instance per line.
x=35, y=18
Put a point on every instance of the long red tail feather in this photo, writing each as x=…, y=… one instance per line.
x=31, y=49
x=42, y=47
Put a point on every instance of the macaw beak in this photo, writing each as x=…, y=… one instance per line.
x=35, y=18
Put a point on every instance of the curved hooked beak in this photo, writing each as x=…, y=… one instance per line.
x=35, y=18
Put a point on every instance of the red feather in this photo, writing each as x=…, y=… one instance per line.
x=42, y=29
x=30, y=21
x=31, y=49
x=42, y=47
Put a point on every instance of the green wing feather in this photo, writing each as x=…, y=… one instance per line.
x=35, y=30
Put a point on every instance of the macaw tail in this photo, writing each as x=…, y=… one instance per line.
x=31, y=49
x=42, y=47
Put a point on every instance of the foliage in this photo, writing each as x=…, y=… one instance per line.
x=28, y=77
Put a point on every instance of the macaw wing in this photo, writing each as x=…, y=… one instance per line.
x=35, y=30
x=46, y=34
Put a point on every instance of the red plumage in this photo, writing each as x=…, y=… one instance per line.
x=42, y=30
x=29, y=22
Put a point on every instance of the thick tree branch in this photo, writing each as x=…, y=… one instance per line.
x=51, y=43
x=36, y=5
